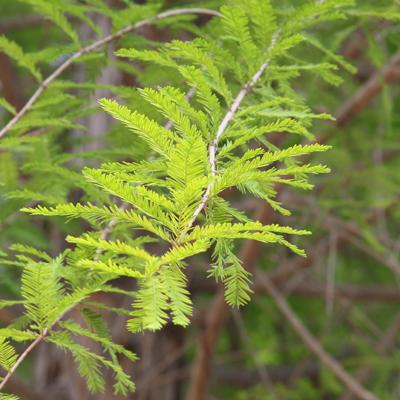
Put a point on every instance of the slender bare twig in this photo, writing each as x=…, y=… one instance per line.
x=374, y=85
x=22, y=357
x=312, y=343
x=103, y=235
x=94, y=46
x=201, y=368
x=212, y=149
x=28, y=350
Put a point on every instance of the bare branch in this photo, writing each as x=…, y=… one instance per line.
x=94, y=46
x=28, y=350
x=22, y=357
x=312, y=343
x=374, y=85
x=212, y=149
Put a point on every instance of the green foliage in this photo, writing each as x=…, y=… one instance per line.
x=89, y=363
x=48, y=294
x=166, y=207
x=42, y=292
x=4, y=396
x=55, y=11
x=7, y=106
x=8, y=356
x=176, y=150
x=14, y=51
x=236, y=280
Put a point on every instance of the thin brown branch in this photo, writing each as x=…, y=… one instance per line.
x=360, y=100
x=103, y=235
x=22, y=357
x=94, y=46
x=28, y=350
x=312, y=343
x=212, y=149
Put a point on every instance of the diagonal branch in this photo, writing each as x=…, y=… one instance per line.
x=360, y=100
x=212, y=149
x=22, y=357
x=104, y=233
x=312, y=343
x=201, y=369
x=94, y=46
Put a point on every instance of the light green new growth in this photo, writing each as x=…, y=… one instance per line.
x=239, y=76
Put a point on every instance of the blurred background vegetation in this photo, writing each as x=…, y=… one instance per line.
x=346, y=291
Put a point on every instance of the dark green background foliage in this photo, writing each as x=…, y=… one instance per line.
x=157, y=199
